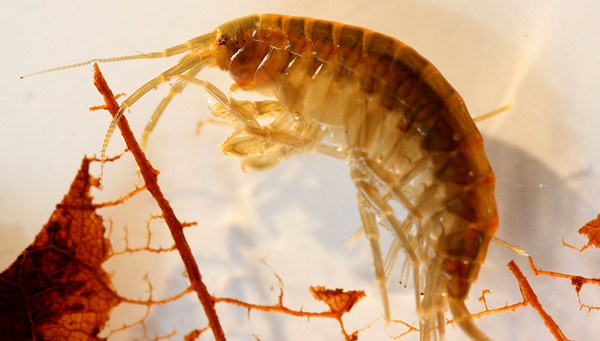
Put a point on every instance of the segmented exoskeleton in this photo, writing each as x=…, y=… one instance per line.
x=374, y=102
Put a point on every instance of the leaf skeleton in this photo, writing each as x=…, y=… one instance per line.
x=374, y=102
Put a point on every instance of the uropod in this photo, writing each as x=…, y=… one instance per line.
x=374, y=102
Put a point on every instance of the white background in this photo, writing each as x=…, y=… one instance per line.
x=543, y=55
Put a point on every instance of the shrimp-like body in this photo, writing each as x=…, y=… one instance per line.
x=374, y=102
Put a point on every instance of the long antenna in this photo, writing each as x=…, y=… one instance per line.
x=200, y=41
x=102, y=60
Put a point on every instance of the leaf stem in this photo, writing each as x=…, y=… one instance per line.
x=150, y=176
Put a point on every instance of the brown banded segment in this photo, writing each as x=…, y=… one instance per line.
x=273, y=22
x=462, y=274
x=350, y=48
x=411, y=59
x=443, y=135
x=476, y=205
x=382, y=45
x=422, y=116
x=299, y=43
x=462, y=169
x=441, y=86
x=421, y=112
x=464, y=253
x=464, y=244
x=380, y=64
x=321, y=37
x=381, y=50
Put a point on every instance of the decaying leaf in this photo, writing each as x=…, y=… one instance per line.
x=56, y=289
x=338, y=300
x=592, y=231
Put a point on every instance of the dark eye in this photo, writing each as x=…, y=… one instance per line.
x=222, y=40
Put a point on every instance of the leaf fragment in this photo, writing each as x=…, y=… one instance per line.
x=338, y=300
x=592, y=231
x=56, y=289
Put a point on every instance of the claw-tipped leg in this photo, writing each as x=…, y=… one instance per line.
x=368, y=218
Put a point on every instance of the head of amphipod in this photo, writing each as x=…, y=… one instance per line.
x=237, y=50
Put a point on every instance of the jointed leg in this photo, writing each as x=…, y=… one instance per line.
x=368, y=219
x=262, y=146
x=374, y=205
x=175, y=90
x=186, y=63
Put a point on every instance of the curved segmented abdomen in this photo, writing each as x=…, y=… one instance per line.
x=373, y=94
